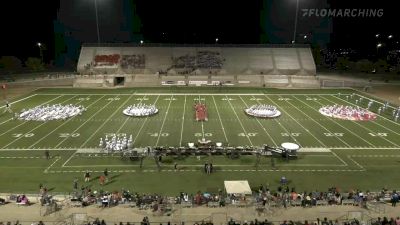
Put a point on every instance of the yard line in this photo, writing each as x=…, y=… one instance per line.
x=240, y=122
x=355, y=162
x=47, y=169
x=307, y=130
x=183, y=121
x=94, y=114
x=376, y=114
x=165, y=117
x=286, y=130
x=102, y=125
x=202, y=124
x=219, y=117
x=366, y=128
x=344, y=142
x=27, y=121
x=19, y=100
x=33, y=128
x=265, y=130
x=65, y=122
x=126, y=120
x=145, y=120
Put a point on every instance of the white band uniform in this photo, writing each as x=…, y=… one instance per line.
x=139, y=110
x=265, y=111
x=51, y=112
x=347, y=113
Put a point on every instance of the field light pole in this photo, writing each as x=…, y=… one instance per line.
x=40, y=50
x=97, y=22
x=295, y=22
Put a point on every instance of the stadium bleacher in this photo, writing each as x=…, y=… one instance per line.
x=275, y=63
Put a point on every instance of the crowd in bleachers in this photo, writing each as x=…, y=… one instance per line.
x=133, y=61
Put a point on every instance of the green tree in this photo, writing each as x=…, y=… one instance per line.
x=34, y=64
x=381, y=66
x=364, y=65
x=343, y=63
x=316, y=51
x=10, y=63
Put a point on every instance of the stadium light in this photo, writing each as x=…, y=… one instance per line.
x=390, y=36
x=377, y=47
x=295, y=22
x=141, y=42
x=216, y=40
x=305, y=36
x=40, y=50
x=376, y=35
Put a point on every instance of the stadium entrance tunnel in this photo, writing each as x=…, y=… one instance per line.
x=119, y=81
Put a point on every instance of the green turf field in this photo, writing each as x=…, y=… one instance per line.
x=354, y=154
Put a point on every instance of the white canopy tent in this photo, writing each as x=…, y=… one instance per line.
x=241, y=187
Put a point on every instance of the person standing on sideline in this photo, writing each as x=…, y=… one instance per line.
x=106, y=175
x=176, y=166
x=7, y=108
x=87, y=176
x=75, y=186
x=47, y=154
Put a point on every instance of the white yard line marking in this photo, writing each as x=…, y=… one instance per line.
x=307, y=130
x=283, y=127
x=220, y=121
x=94, y=114
x=183, y=121
x=33, y=128
x=65, y=122
x=162, y=125
x=380, y=116
x=344, y=163
x=19, y=100
x=360, y=125
x=355, y=162
x=145, y=120
x=258, y=121
x=47, y=169
x=104, y=123
x=202, y=124
x=344, y=142
x=27, y=121
x=240, y=122
x=126, y=120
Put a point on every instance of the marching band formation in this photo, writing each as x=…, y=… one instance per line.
x=50, y=112
x=117, y=142
x=140, y=110
x=347, y=112
x=267, y=111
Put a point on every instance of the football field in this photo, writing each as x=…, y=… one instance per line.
x=333, y=152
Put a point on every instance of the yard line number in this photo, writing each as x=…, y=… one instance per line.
x=67, y=135
x=247, y=135
x=205, y=135
x=83, y=99
x=334, y=134
x=290, y=134
x=164, y=134
x=27, y=135
x=378, y=134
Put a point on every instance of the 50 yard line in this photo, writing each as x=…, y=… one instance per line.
x=183, y=121
x=202, y=124
x=240, y=122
